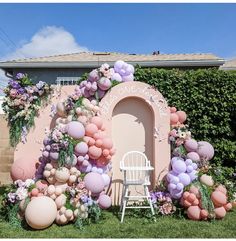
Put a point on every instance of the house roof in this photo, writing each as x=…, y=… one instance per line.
x=95, y=59
x=229, y=65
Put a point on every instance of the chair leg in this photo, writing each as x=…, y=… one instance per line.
x=149, y=199
x=124, y=204
x=122, y=197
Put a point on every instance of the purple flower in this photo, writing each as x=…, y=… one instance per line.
x=84, y=198
x=21, y=91
x=20, y=76
x=14, y=84
x=40, y=84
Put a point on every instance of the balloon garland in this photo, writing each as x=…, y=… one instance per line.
x=74, y=169
x=187, y=179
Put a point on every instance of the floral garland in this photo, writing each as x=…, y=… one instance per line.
x=21, y=104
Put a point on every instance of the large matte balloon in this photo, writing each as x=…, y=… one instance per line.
x=91, y=129
x=205, y=150
x=179, y=166
x=193, y=156
x=104, y=201
x=41, y=212
x=184, y=179
x=94, y=182
x=191, y=145
x=220, y=212
x=218, y=198
x=23, y=169
x=97, y=121
x=75, y=129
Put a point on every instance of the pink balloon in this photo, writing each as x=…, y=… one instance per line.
x=54, y=155
x=107, y=143
x=94, y=152
x=23, y=169
x=193, y=156
x=98, y=143
x=191, y=145
x=174, y=118
x=90, y=129
x=75, y=129
x=182, y=116
x=101, y=93
x=106, y=179
x=104, y=83
x=104, y=201
x=105, y=152
x=81, y=148
x=205, y=150
x=97, y=121
x=94, y=182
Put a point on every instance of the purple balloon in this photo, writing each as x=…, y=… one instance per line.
x=101, y=93
x=179, y=166
x=184, y=179
x=193, y=156
x=81, y=148
x=176, y=194
x=174, y=180
x=179, y=186
x=118, y=65
x=191, y=145
x=194, y=165
x=106, y=179
x=54, y=155
x=116, y=77
x=171, y=186
x=193, y=175
x=205, y=150
x=189, y=168
x=127, y=78
x=45, y=154
x=75, y=129
x=174, y=159
x=94, y=182
x=94, y=75
x=94, y=169
x=104, y=83
x=188, y=162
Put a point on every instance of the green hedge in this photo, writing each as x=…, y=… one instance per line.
x=208, y=96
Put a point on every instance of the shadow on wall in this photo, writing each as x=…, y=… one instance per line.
x=132, y=129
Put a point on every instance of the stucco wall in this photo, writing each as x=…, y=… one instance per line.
x=50, y=75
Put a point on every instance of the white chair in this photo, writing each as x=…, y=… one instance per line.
x=136, y=168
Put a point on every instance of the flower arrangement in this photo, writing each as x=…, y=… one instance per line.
x=22, y=103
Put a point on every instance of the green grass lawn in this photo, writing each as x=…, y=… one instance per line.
x=133, y=227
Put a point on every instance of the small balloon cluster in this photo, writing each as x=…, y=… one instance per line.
x=102, y=79
x=181, y=175
x=202, y=207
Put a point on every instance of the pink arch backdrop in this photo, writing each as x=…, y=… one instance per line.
x=161, y=121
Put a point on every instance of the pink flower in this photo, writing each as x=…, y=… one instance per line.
x=13, y=93
x=179, y=142
x=166, y=208
x=173, y=133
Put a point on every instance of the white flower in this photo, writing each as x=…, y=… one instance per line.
x=21, y=193
x=29, y=182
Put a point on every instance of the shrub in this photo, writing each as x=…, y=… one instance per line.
x=208, y=97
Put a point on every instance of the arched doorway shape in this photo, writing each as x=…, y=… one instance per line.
x=127, y=109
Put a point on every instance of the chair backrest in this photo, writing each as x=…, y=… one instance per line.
x=135, y=164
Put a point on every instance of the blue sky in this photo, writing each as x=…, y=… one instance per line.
x=131, y=28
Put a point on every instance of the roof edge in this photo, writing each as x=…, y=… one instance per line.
x=96, y=64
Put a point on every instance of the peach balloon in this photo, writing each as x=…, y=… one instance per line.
x=34, y=192
x=105, y=152
x=97, y=121
x=193, y=213
x=185, y=195
x=228, y=206
x=204, y=214
x=174, y=118
x=173, y=109
x=222, y=189
x=94, y=152
x=23, y=169
x=218, y=198
x=41, y=212
x=195, y=202
x=107, y=143
x=98, y=143
x=91, y=141
x=191, y=197
x=182, y=116
x=220, y=212
x=195, y=190
x=112, y=151
x=90, y=129
x=186, y=203
x=41, y=185
x=102, y=161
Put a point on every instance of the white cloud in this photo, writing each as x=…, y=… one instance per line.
x=49, y=40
